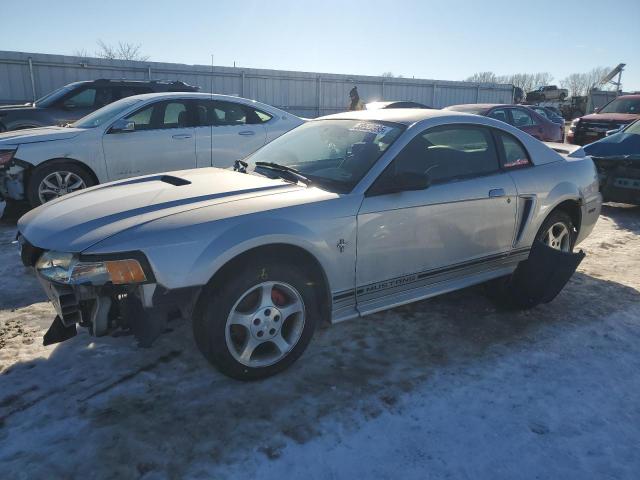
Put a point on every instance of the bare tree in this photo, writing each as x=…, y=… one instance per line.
x=576, y=84
x=580, y=84
x=390, y=75
x=483, y=77
x=122, y=51
x=81, y=52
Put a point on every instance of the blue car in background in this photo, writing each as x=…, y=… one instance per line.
x=617, y=158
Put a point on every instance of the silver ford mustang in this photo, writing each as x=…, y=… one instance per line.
x=344, y=216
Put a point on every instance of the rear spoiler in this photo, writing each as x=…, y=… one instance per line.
x=567, y=149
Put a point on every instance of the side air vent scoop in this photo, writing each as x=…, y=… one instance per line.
x=177, y=181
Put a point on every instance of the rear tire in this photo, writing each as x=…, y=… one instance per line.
x=558, y=231
x=250, y=311
x=65, y=177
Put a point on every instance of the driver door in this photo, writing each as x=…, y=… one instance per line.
x=163, y=140
x=465, y=216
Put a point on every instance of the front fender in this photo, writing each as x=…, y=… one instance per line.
x=187, y=249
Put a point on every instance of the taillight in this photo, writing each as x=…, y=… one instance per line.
x=6, y=156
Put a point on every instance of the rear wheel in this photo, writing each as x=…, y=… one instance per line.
x=55, y=180
x=558, y=231
x=258, y=322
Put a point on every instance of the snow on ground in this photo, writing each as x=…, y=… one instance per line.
x=446, y=388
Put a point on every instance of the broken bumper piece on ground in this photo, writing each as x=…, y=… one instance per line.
x=541, y=277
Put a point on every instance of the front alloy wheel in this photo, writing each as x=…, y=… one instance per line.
x=57, y=184
x=258, y=318
x=265, y=324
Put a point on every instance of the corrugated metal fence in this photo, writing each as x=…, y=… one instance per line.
x=27, y=76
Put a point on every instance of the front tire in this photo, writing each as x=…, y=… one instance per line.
x=56, y=179
x=258, y=321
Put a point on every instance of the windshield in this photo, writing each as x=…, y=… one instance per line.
x=622, y=105
x=634, y=128
x=51, y=97
x=333, y=154
x=106, y=113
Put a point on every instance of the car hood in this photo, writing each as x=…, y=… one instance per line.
x=76, y=222
x=42, y=134
x=616, y=145
x=611, y=117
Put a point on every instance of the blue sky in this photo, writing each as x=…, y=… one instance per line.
x=445, y=40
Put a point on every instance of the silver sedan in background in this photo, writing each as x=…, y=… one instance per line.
x=341, y=217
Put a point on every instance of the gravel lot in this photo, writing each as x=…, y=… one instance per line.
x=446, y=388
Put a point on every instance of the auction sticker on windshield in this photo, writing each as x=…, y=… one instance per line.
x=369, y=127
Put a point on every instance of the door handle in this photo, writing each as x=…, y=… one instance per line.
x=247, y=132
x=496, y=192
x=181, y=136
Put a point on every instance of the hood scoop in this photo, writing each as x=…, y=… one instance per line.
x=177, y=181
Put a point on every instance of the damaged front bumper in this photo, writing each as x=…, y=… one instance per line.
x=13, y=178
x=619, y=178
x=103, y=303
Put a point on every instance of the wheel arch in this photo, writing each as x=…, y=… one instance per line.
x=52, y=161
x=287, y=252
x=572, y=208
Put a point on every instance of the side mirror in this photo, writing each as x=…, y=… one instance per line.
x=595, y=109
x=122, y=125
x=402, y=182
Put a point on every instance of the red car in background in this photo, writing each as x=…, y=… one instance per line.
x=615, y=115
x=520, y=117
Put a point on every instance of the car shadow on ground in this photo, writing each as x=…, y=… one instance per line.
x=625, y=217
x=142, y=409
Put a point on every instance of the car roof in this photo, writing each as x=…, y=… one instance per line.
x=483, y=106
x=212, y=96
x=405, y=116
x=634, y=96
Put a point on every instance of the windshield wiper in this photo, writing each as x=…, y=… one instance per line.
x=283, y=168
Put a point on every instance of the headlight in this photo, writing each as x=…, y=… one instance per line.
x=67, y=268
x=574, y=124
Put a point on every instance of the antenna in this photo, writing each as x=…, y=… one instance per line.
x=211, y=126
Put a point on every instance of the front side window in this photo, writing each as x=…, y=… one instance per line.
x=174, y=115
x=85, y=98
x=447, y=154
x=161, y=115
x=521, y=118
x=334, y=154
x=142, y=118
x=500, y=114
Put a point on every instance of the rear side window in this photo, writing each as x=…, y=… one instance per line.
x=514, y=153
x=522, y=118
x=220, y=113
x=449, y=153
